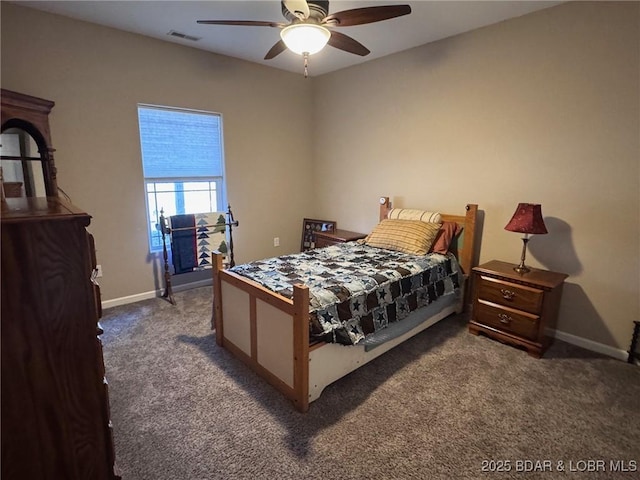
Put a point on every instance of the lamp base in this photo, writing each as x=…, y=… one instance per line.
x=522, y=268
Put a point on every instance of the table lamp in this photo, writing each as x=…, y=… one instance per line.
x=527, y=219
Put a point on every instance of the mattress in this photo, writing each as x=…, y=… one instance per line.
x=357, y=290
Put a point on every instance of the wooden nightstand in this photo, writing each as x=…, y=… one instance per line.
x=515, y=308
x=324, y=239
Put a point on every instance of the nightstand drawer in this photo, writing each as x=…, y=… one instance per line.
x=324, y=242
x=512, y=295
x=326, y=239
x=507, y=319
x=513, y=307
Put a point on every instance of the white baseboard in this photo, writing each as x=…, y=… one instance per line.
x=152, y=294
x=589, y=345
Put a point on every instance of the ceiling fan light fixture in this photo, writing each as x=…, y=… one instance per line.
x=304, y=38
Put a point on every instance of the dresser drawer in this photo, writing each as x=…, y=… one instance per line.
x=506, y=319
x=509, y=294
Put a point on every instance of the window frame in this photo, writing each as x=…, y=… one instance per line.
x=153, y=230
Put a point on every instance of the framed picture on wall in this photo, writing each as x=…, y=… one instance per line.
x=309, y=229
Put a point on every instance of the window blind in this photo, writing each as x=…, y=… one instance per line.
x=179, y=143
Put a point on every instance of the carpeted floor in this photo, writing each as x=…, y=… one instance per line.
x=444, y=404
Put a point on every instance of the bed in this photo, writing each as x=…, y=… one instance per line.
x=282, y=337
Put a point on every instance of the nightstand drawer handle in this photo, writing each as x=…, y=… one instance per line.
x=504, y=318
x=507, y=294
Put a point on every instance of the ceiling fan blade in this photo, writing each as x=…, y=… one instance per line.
x=344, y=42
x=360, y=16
x=299, y=8
x=243, y=23
x=276, y=50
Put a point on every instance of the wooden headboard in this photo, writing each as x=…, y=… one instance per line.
x=464, y=246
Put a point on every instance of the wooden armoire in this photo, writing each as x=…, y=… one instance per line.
x=55, y=403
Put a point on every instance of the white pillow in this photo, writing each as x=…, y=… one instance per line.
x=414, y=214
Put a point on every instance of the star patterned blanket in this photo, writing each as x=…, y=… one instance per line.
x=356, y=289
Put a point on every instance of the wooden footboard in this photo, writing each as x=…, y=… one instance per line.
x=270, y=333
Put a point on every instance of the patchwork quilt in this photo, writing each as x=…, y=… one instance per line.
x=194, y=237
x=356, y=289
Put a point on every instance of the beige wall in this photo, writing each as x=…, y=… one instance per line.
x=97, y=76
x=543, y=108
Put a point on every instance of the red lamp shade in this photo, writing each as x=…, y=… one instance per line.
x=527, y=219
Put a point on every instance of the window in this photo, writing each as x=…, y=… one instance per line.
x=182, y=162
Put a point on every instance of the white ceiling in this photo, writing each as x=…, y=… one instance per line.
x=429, y=21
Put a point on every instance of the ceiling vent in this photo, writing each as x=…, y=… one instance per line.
x=184, y=36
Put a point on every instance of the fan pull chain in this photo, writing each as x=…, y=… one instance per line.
x=306, y=65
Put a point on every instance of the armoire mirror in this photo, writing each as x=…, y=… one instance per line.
x=22, y=171
x=26, y=155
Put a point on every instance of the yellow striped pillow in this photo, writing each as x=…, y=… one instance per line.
x=413, y=214
x=408, y=236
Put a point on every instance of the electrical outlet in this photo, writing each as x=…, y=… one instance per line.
x=98, y=271
x=276, y=241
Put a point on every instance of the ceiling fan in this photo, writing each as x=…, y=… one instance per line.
x=308, y=29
